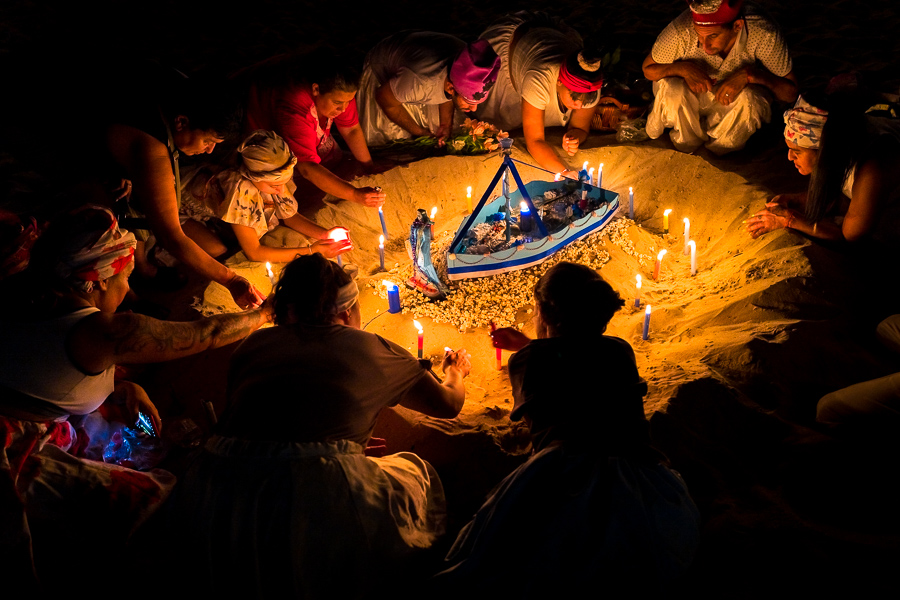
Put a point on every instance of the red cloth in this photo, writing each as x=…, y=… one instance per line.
x=292, y=115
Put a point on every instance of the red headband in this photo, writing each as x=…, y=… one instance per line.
x=578, y=84
x=722, y=16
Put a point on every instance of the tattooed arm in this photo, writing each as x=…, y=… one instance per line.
x=103, y=339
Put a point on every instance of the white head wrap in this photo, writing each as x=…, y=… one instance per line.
x=346, y=297
x=266, y=157
x=804, y=123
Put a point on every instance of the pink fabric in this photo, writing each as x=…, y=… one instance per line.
x=292, y=115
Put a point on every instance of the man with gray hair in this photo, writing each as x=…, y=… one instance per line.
x=716, y=69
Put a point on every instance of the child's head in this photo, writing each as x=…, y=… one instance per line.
x=267, y=161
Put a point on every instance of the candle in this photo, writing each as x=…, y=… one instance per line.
x=693, y=246
x=687, y=234
x=433, y=212
x=600, y=176
x=591, y=175
x=270, y=274
x=557, y=177
x=339, y=234
x=637, y=292
x=393, y=294
x=631, y=203
x=381, y=251
x=646, y=323
x=421, y=337
x=659, y=258
x=383, y=226
x=499, y=359
x=666, y=220
x=526, y=222
x=469, y=198
x=584, y=166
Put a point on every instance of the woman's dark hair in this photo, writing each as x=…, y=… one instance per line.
x=596, y=51
x=846, y=142
x=574, y=299
x=307, y=290
x=209, y=103
x=323, y=67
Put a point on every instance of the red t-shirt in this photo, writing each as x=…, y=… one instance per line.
x=292, y=115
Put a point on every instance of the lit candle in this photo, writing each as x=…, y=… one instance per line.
x=659, y=258
x=584, y=166
x=339, y=234
x=421, y=337
x=687, y=234
x=383, y=225
x=591, y=175
x=526, y=223
x=270, y=274
x=499, y=351
x=666, y=220
x=646, y=323
x=557, y=177
x=600, y=176
x=381, y=250
x=637, y=292
x=469, y=198
x=433, y=212
x=393, y=294
x=693, y=246
x=631, y=203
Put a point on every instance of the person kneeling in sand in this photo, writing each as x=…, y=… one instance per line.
x=413, y=81
x=253, y=198
x=853, y=160
x=715, y=70
x=594, y=507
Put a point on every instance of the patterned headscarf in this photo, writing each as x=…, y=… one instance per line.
x=266, y=157
x=804, y=123
x=94, y=255
x=474, y=72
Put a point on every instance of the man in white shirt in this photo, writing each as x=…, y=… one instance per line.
x=716, y=69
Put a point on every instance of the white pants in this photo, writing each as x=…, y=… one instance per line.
x=696, y=119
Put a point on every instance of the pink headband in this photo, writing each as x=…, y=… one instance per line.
x=578, y=84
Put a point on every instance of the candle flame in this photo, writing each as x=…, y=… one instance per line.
x=630, y=190
x=433, y=211
x=667, y=212
x=687, y=221
x=661, y=254
x=638, y=277
x=601, y=166
x=381, y=240
x=692, y=244
x=379, y=210
x=339, y=234
x=584, y=166
x=418, y=326
x=557, y=177
x=523, y=207
x=469, y=191
x=269, y=269
x=388, y=284
x=448, y=349
x=647, y=310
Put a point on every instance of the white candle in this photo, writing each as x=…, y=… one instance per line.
x=590, y=176
x=687, y=234
x=433, y=212
x=637, y=292
x=693, y=246
x=600, y=176
x=659, y=258
x=381, y=250
x=584, y=166
x=666, y=220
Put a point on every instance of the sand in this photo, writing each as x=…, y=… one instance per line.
x=737, y=355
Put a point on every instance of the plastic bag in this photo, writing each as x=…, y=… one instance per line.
x=632, y=130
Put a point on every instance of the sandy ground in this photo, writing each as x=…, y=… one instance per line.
x=737, y=355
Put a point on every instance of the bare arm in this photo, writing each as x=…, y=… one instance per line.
x=330, y=183
x=103, y=339
x=579, y=129
x=695, y=77
x=445, y=112
x=784, y=88
x=395, y=111
x=356, y=141
x=538, y=147
x=255, y=251
x=441, y=400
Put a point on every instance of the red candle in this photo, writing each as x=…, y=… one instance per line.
x=421, y=338
x=659, y=258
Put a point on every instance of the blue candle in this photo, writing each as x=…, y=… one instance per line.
x=381, y=250
x=526, y=222
x=383, y=226
x=637, y=292
x=393, y=293
x=646, y=323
